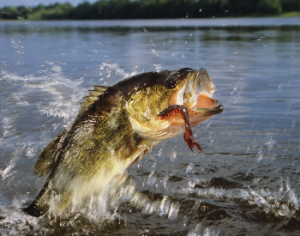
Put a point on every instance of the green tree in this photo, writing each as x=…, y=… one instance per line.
x=269, y=7
x=241, y=7
x=84, y=11
x=142, y=9
x=101, y=9
x=24, y=11
x=290, y=5
x=10, y=13
x=53, y=12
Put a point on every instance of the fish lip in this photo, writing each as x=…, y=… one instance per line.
x=218, y=108
x=201, y=84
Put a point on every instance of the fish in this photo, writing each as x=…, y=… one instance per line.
x=115, y=128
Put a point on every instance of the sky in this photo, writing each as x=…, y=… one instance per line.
x=32, y=3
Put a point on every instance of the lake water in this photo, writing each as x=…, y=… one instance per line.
x=246, y=183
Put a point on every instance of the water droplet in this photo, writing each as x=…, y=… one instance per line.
x=260, y=156
x=173, y=211
x=190, y=167
x=160, y=151
x=293, y=124
x=270, y=142
x=157, y=67
x=164, y=206
x=173, y=155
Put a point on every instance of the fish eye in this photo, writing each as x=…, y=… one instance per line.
x=171, y=83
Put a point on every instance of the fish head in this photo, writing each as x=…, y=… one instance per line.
x=186, y=87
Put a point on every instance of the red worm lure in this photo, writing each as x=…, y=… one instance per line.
x=188, y=135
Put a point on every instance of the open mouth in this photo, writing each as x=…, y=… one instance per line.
x=197, y=95
x=192, y=104
x=202, y=89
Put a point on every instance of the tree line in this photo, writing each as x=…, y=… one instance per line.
x=151, y=9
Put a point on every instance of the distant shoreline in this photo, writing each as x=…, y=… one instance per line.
x=157, y=24
x=284, y=15
x=154, y=9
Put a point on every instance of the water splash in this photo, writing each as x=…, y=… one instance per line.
x=162, y=207
x=7, y=172
x=199, y=230
x=16, y=42
x=281, y=204
x=111, y=68
x=173, y=154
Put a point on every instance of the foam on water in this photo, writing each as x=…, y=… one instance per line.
x=199, y=230
x=281, y=204
x=24, y=98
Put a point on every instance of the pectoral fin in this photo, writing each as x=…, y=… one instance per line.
x=46, y=159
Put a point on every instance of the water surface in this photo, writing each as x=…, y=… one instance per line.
x=246, y=183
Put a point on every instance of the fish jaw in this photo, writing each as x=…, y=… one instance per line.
x=204, y=109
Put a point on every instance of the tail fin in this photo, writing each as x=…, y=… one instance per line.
x=33, y=211
x=40, y=205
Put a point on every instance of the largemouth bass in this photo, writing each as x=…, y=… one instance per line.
x=116, y=127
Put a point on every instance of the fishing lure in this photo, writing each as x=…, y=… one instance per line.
x=188, y=135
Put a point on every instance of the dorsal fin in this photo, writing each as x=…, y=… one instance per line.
x=93, y=95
